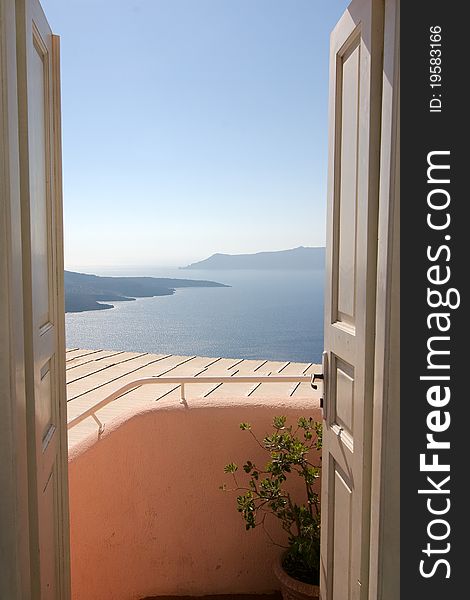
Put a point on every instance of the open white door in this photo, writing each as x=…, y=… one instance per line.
x=354, y=154
x=43, y=310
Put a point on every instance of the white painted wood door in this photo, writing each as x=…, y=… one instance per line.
x=41, y=205
x=354, y=143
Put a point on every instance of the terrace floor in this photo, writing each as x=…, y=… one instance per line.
x=94, y=374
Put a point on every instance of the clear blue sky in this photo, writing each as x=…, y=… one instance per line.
x=192, y=127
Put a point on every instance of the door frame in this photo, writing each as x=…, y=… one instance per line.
x=384, y=564
x=15, y=574
x=63, y=466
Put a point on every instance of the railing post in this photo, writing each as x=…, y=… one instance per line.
x=182, y=395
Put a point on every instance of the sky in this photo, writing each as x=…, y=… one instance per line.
x=192, y=127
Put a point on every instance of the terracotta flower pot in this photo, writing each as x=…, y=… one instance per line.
x=291, y=588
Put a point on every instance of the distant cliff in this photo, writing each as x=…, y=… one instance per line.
x=90, y=292
x=296, y=258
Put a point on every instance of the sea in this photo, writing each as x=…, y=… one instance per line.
x=269, y=314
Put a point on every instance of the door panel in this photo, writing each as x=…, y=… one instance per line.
x=47, y=535
x=348, y=96
x=40, y=164
x=343, y=395
x=342, y=534
x=355, y=79
x=40, y=169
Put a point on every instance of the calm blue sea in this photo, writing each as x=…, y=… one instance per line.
x=275, y=315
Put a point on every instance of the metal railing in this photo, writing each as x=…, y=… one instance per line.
x=182, y=382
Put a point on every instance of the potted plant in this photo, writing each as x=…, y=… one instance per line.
x=267, y=492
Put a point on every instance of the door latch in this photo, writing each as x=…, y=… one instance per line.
x=322, y=376
x=316, y=376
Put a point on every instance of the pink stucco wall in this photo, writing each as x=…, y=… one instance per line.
x=147, y=515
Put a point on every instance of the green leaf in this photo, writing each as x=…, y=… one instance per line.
x=269, y=490
x=230, y=468
x=279, y=422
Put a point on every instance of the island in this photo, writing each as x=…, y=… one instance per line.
x=91, y=292
x=295, y=258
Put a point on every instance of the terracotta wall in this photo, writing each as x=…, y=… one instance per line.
x=147, y=515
